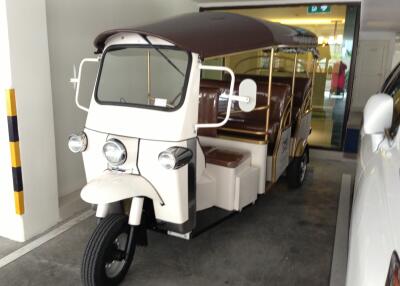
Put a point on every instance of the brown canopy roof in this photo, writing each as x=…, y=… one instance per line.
x=217, y=33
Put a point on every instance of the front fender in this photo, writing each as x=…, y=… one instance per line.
x=113, y=187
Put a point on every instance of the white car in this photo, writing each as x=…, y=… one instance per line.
x=375, y=221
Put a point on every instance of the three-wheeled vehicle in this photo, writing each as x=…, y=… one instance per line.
x=174, y=145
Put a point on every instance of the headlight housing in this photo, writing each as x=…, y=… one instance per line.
x=175, y=157
x=115, y=152
x=77, y=142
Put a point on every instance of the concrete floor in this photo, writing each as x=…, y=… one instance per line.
x=285, y=239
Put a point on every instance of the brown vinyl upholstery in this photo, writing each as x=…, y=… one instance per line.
x=208, y=109
x=224, y=157
x=301, y=88
x=209, y=106
x=256, y=120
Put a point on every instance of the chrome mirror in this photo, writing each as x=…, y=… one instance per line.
x=248, y=89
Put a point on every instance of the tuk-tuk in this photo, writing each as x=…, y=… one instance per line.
x=174, y=145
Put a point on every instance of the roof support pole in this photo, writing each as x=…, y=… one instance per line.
x=148, y=78
x=271, y=67
x=293, y=85
x=312, y=82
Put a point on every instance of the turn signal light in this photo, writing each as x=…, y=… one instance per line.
x=175, y=157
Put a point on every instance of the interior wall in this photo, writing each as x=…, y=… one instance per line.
x=27, y=70
x=72, y=27
x=396, y=54
x=386, y=41
x=11, y=225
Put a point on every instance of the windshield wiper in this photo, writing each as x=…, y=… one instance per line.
x=163, y=55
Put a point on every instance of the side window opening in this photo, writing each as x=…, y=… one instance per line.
x=392, y=88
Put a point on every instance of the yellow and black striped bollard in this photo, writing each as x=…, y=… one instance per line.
x=15, y=153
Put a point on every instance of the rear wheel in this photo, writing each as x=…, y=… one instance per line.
x=297, y=170
x=107, y=256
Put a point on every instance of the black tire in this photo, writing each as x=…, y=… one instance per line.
x=103, y=252
x=296, y=171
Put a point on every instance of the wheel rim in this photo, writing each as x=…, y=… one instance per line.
x=303, y=168
x=115, y=266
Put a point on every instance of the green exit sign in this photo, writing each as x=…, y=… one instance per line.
x=319, y=9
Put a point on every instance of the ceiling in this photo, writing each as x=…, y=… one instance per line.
x=322, y=25
x=376, y=15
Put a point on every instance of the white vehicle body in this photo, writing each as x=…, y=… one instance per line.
x=160, y=146
x=374, y=232
x=158, y=131
x=177, y=194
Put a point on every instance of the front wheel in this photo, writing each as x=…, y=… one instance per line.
x=107, y=255
x=297, y=170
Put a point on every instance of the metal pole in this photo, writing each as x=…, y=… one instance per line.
x=148, y=78
x=271, y=67
x=293, y=85
x=313, y=81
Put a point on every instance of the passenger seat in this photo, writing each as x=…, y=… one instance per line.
x=208, y=113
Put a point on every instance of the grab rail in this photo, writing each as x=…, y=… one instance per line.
x=230, y=97
x=77, y=81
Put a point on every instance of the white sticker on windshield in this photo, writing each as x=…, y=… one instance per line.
x=162, y=102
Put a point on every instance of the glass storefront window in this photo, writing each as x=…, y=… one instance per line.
x=335, y=29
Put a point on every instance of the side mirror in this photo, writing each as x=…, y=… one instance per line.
x=378, y=114
x=248, y=89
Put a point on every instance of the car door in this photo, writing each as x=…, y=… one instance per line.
x=374, y=233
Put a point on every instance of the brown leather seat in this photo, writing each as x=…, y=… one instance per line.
x=224, y=157
x=301, y=88
x=208, y=109
x=208, y=113
x=256, y=120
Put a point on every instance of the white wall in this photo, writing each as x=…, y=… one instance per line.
x=25, y=67
x=387, y=36
x=72, y=27
x=396, y=55
x=7, y=212
x=386, y=41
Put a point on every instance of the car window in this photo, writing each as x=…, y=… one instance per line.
x=393, y=89
x=391, y=79
x=396, y=113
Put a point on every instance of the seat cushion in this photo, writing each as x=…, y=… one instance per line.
x=223, y=157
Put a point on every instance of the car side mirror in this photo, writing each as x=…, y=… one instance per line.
x=248, y=89
x=378, y=114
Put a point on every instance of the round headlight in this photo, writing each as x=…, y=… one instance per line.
x=115, y=152
x=77, y=142
x=167, y=159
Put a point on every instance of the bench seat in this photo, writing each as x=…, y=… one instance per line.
x=224, y=157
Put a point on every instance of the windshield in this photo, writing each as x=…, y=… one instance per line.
x=146, y=75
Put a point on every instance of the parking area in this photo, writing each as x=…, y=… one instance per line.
x=287, y=238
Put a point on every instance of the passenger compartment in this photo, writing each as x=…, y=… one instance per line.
x=245, y=125
x=228, y=181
